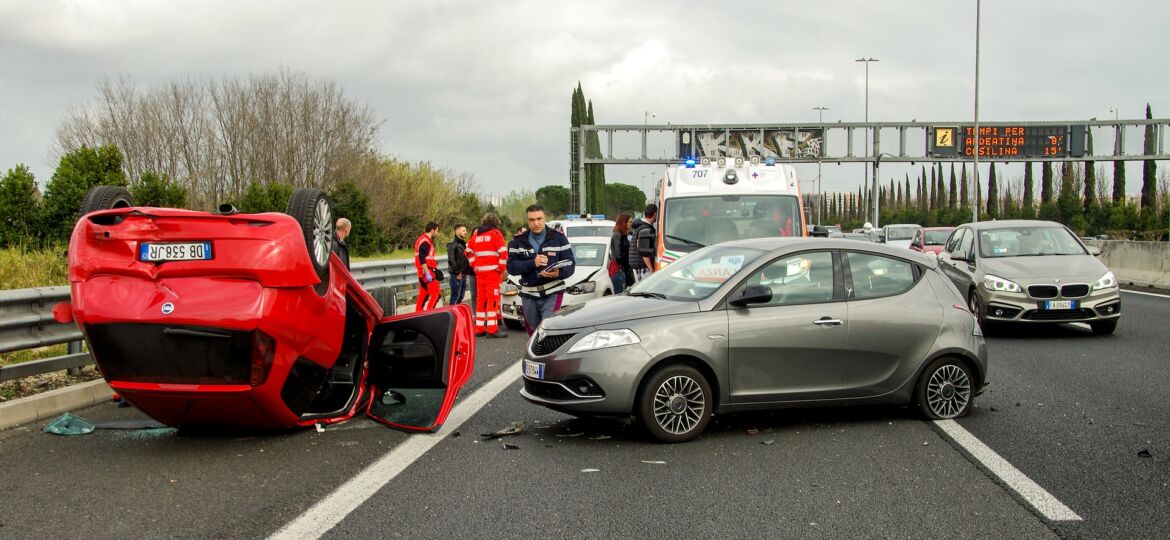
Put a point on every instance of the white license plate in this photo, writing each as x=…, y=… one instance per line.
x=186, y=251
x=1060, y=304
x=533, y=370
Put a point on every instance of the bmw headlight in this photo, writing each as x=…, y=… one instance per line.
x=1107, y=281
x=998, y=284
x=585, y=287
x=605, y=338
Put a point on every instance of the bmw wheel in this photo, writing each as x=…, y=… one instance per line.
x=675, y=404
x=310, y=207
x=946, y=389
x=977, y=309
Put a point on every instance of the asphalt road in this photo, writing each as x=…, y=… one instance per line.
x=1070, y=410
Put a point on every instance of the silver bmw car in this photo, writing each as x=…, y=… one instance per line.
x=763, y=323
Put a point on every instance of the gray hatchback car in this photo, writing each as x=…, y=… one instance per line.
x=1028, y=272
x=763, y=323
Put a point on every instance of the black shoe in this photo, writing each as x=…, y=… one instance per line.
x=498, y=335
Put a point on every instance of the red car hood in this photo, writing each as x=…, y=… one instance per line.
x=269, y=247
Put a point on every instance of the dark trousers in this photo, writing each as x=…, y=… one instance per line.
x=458, y=287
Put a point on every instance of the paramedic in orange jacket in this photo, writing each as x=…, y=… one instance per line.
x=487, y=252
x=428, y=269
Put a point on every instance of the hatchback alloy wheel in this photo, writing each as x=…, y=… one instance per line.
x=945, y=390
x=676, y=404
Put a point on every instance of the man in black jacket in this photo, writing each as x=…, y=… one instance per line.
x=457, y=264
x=644, y=243
x=340, y=233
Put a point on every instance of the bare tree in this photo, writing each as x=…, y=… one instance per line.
x=217, y=137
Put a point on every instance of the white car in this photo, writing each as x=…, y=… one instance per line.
x=899, y=235
x=590, y=280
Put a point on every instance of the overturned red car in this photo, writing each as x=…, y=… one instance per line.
x=212, y=320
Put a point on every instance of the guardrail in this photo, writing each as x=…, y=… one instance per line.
x=26, y=316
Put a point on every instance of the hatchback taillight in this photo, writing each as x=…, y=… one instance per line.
x=263, y=351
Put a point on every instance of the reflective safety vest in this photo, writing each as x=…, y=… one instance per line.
x=487, y=251
x=432, y=264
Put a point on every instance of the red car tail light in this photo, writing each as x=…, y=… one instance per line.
x=263, y=351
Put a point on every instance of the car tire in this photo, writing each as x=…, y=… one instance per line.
x=675, y=404
x=514, y=325
x=387, y=299
x=311, y=208
x=946, y=389
x=1104, y=327
x=105, y=198
x=977, y=309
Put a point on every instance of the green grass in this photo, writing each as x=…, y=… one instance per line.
x=396, y=254
x=22, y=268
x=27, y=355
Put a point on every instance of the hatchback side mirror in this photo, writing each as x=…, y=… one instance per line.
x=1093, y=250
x=752, y=294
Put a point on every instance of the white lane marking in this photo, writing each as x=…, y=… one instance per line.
x=1050, y=507
x=328, y=512
x=1145, y=293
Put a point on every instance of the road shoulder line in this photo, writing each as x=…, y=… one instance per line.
x=1040, y=499
x=328, y=512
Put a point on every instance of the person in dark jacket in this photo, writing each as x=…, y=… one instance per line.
x=340, y=233
x=644, y=243
x=543, y=258
x=457, y=264
x=619, y=248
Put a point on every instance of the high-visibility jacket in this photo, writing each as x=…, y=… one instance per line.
x=487, y=252
x=429, y=257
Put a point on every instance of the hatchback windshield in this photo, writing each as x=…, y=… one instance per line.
x=1028, y=242
x=937, y=238
x=693, y=222
x=697, y=275
x=588, y=254
x=900, y=233
x=588, y=230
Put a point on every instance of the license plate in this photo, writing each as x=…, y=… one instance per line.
x=1060, y=304
x=533, y=370
x=186, y=251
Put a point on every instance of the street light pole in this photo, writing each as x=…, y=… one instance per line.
x=820, y=194
x=873, y=190
x=975, y=191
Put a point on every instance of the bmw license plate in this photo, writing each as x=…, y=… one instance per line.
x=186, y=251
x=533, y=370
x=1060, y=304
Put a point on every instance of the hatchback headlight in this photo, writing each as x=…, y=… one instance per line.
x=1107, y=281
x=605, y=338
x=998, y=284
x=510, y=289
x=583, y=288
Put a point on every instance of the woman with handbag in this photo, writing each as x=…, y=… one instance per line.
x=619, y=245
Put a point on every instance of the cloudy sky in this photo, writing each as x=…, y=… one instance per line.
x=484, y=87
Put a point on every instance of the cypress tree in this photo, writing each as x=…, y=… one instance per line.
x=952, y=193
x=1149, y=178
x=992, y=194
x=964, y=197
x=932, y=190
x=1090, y=195
x=1028, y=210
x=906, y=196
x=1045, y=183
x=596, y=200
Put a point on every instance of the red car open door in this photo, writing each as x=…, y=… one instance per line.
x=417, y=364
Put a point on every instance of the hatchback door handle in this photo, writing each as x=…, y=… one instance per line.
x=825, y=321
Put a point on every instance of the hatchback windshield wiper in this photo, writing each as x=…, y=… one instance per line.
x=648, y=294
x=684, y=240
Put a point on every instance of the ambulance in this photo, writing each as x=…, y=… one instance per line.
x=717, y=199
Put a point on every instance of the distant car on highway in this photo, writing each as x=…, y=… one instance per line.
x=899, y=235
x=595, y=225
x=763, y=323
x=589, y=281
x=1030, y=272
x=930, y=239
x=211, y=320
x=854, y=236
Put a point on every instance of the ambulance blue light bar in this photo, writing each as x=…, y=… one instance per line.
x=690, y=163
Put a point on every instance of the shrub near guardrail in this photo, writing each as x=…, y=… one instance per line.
x=25, y=268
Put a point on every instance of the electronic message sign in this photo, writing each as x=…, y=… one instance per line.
x=1006, y=142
